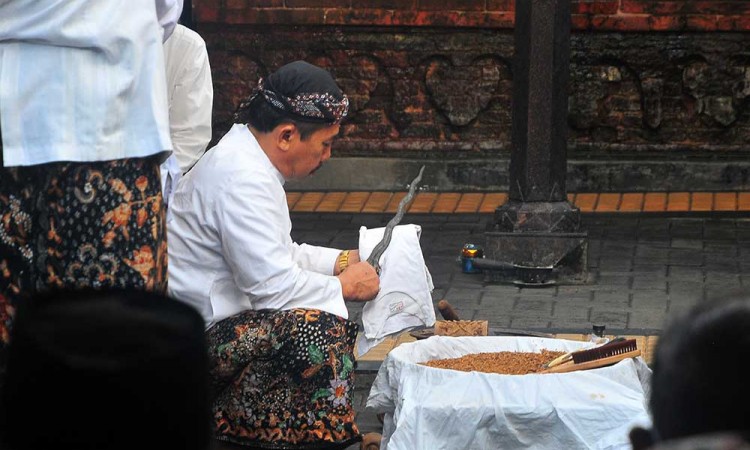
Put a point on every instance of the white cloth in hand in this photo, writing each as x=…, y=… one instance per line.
x=405, y=299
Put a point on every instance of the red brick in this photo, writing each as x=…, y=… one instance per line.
x=491, y=201
x=469, y=202
x=318, y=3
x=733, y=23
x=354, y=202
x=308, y=201
x=424, y=18
x=742, y=23
x=501, y=5
x=701, y=23
x=331, y=202
x=206, y=13
x=275, y=16
x=586, y=202
x=291, y=199
x=631, y=202
x=580, y=21
x=358, y=17
x=733, y=8
x=725, y=201
x=608, y=202
x=652, y=6
x=236, y=4
x=621, y=23
x=206, y=3
x=678, y=201
x=702, y=201
x=655, y=201
x=452, y=5
x=707, y=7
x=743, y=201
x=595, y=6
x=499, y=19
x=377, y=202
x=454, y=19
x=395, y=201
x=666, y=23
x=446, y=202
x=423, y=202
x=385, y=4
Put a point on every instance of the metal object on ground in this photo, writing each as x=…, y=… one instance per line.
x=469, y=253
x=379, y=249
x=520, y=275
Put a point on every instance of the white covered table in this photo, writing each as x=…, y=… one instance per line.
x=431, y=408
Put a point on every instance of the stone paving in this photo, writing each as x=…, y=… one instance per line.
x=642, y=269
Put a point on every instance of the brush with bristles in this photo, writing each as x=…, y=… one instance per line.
x=601, y=356
x=569, y=356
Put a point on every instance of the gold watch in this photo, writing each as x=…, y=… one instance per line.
x=343, y=260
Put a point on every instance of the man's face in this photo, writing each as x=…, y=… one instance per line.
x=308, y=155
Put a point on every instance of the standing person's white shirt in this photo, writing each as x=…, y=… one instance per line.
x=190, y=93
x=79, y=84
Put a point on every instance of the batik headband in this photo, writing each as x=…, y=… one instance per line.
x=310, y=106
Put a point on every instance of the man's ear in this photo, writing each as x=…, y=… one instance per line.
x=285, y=134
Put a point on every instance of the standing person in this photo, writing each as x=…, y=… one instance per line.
x=280, y=345
x=84, y=122
x=190, y=93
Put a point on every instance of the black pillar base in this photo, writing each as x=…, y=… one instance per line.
x=535, y=259
x=535, y=244
x=545, y=217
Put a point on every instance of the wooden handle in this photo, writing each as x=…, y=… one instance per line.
x=447, y=311
x=559, y=360
x=571, y=366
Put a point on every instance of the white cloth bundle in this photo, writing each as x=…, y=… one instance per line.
x=431, y=408
x=405, y=299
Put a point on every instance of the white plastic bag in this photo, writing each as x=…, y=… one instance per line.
x=430, y=408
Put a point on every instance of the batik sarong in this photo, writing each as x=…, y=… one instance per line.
x=283, y=379
x=68, y=225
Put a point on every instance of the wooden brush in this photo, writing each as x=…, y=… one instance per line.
x=601, y=356
x=569, y=356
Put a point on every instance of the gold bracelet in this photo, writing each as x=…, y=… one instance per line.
x=343, y=260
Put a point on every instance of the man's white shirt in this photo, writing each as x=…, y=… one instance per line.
x=230, y=247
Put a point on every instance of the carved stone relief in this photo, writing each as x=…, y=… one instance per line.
x=427, y=90
x=718, y=90
x=462, y=92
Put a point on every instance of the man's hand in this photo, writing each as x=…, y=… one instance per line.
x=359, y=282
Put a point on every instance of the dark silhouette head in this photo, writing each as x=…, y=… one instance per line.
x=105, y=370
x=699, y=383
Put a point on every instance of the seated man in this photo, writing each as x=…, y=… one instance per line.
x=699, y=387
x=280, y=345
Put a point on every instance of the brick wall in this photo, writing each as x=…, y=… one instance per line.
x=601, y=15
x=433, y=78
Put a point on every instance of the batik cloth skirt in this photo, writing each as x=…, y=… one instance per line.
x=283, y=379
x=69, y=225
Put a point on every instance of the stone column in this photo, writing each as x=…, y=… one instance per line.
x=535, y=237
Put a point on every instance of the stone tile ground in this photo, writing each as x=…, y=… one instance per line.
x=643, y=268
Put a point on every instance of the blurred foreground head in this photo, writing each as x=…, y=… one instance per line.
x=699, y=385
x=105, y=370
